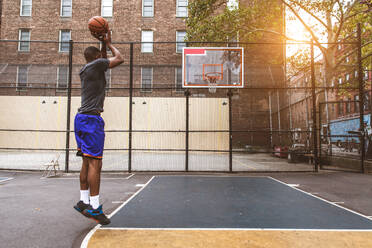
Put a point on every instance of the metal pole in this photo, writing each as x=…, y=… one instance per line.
x=314, y=131
x=67, y=156
x=320, y=135
x=361, y=98
x=187, y=94
x=130, y=108
x=271, y=122
x=230, y=94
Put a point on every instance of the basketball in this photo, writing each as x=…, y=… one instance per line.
x=98, y=24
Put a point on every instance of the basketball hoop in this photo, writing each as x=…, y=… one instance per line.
x=212, y=80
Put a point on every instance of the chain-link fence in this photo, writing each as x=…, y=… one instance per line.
x=154, y=124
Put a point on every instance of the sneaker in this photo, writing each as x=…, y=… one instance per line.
x=97, y=215
x=81, y=206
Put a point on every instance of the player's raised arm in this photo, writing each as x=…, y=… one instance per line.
x=117, y=59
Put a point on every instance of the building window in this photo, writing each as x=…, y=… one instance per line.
x=147, y=36
x=22, y=72
x=340, y=81
x=180, y=37
x=146, y=79
x=355, y=73
x=366, y=74
x=66, y=8
x=106, y=8
x=26, y=7
x=366, y=101
x=347, y=60
x=181, y=8
x=62, y=77
x=24, y=40
x=348, y=106
x=147, y=8
x=178, y=80
x=108, y=78
x=347, y=77
x=356, y=104
x=340, y=108
x=64, y=39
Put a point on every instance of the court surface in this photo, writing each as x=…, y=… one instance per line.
x=4, y=179
x=209, y=211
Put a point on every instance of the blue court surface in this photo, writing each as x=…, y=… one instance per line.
x=228, y=203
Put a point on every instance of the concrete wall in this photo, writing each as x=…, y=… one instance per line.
x=49, y=113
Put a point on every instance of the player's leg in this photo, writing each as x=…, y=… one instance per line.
x=94, y=210
x=84, y=187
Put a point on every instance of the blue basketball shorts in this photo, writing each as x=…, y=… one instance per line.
x=89, y=135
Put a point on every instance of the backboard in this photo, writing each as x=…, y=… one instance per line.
x=224, y=65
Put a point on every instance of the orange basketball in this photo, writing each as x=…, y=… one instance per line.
x=98, y=24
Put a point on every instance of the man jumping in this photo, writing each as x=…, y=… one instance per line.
x=89, y=125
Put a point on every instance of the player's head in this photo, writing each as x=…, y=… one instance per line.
x=91, y=53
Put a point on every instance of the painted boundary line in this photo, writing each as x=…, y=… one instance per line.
x=102, y=178
x=237, y=229
x=4, y=179
x=85, y=242
x=322, y=199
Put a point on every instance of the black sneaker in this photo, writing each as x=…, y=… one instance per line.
x=97, y=215
x=81, y=206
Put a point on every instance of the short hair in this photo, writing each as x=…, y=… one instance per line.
x=91, y=53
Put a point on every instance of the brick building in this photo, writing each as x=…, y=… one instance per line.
x=41, y=68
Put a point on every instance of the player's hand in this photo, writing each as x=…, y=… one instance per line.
x=98, y=36
x=107, y=37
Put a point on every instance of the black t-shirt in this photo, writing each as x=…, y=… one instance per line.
x=93, y=83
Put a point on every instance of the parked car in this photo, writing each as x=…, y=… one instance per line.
x=297, y=153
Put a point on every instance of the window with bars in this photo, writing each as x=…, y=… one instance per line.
x=64, y=39
x=22, y=76
x=148, y=8
x=147, y=36
x=24, y=40
x=180, y=36
x=348, y=106
x=178, y=81
x=66, y=8
x=26, y=7
x=340, y=108
x=106, y=8
x=356, y=104
x=146, y=79
x=182, y=8
x=62, y=78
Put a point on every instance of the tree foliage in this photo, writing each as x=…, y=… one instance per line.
x=213, y=20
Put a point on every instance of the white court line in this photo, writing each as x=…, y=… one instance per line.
x=6, y=179
x=238, y=229
x=293, y=185
x=117, y=202
x=140, y=185
x=102, y=178
x=85, y=242
x=317, y=197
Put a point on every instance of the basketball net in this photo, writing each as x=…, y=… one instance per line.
x=212, y=85
x=212, y=78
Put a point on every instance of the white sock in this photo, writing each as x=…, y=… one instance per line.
x=94, y=201
x=84, y=196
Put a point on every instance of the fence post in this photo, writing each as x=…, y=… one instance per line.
x=361, y=98
x=314, y=131
x=230, y=94
x=320, y=135
x=130, y=109
x=187, y=94
x=67, y=155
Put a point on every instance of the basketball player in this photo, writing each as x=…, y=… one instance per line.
x=89, y=125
